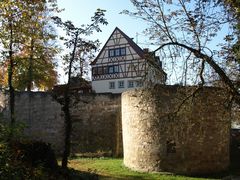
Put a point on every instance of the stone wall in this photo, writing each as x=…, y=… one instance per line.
x=160, y=134
x=41, y=115
x=97, y=125
x=96, y=121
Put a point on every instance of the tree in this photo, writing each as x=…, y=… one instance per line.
x=39, y=45
x=84, y=55
x=76, y=42
x=9, y=22
x=37, y=48
x=186, y=28
x=232, y=8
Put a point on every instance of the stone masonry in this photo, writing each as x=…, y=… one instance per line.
x=97, y=125
x=96, y=121
x=161, y=133
x=40, y=114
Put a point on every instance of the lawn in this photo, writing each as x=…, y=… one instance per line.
x=108, y=168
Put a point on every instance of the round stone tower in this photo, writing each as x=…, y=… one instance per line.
x=165, y=128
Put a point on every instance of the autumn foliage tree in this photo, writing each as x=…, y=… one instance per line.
x=36, y=47
x=78, y=45
x=9, y=23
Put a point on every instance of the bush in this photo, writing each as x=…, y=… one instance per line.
x=35, y=153
x=21, y=159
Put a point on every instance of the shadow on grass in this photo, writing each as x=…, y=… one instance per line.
x=80, y=175
x=72, y=174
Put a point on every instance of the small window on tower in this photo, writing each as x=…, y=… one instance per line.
x=171, y=146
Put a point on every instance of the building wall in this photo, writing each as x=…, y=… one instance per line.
x=160, y=136
x=103, y=85
x=129, y=65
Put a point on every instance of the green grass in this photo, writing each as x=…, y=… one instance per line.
x=108, y=168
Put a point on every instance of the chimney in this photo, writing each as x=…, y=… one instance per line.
x=145, y=50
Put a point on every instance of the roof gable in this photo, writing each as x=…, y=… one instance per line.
x=129, y=40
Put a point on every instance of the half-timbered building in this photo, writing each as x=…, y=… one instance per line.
x=122, y=65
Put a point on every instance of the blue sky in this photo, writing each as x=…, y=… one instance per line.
x=80, y=12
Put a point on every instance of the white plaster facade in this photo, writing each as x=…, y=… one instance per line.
x=121, y=65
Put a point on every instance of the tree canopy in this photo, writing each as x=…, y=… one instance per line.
x=34, y=42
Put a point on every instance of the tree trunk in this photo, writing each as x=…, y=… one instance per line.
x=10, y=77
x=30, y=67
x=68, y=121
x=68, y=128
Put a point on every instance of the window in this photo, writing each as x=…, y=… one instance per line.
x=171, y=146
x=130, y=84
x=123, y=51
x=120, y=84
x=116, y=70
x=100, y=70
x=105, y=69
x=117, y=52
x=111, y=53
x=110, y=70
x=94, y=71
x=111, y=85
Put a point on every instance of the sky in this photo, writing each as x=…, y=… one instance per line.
x=81, y=11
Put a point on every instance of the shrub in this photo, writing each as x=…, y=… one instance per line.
x=21, y=159
x=35, y=153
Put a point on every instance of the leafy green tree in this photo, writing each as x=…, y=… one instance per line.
x=76, y=42
x=186, y=29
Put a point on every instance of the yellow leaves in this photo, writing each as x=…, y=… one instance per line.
x=29, y=20
x=3, y=75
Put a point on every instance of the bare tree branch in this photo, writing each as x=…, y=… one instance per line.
x=212, y=63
